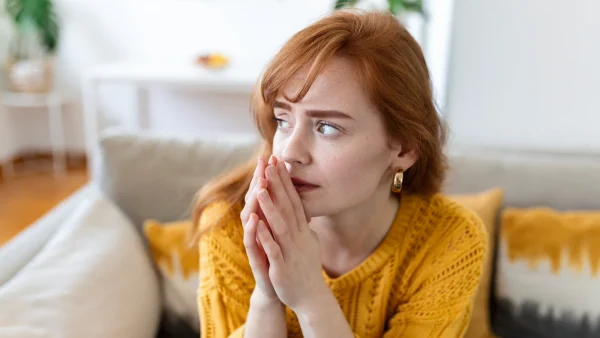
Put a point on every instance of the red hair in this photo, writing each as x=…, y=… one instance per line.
x=396, y=78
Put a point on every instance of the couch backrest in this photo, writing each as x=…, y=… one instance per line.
x=152, y=176
x=156, y=176
x=560, y=181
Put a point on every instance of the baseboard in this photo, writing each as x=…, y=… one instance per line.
x=74, y=161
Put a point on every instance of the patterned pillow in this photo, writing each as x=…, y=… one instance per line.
x=548, y=282
x=178, y=267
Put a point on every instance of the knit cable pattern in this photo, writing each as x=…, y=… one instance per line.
x=420, y=281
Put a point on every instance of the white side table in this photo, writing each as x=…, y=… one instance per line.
x=53, y=103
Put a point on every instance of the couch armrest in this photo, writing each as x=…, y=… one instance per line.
x=92, y=278
x=16, y=253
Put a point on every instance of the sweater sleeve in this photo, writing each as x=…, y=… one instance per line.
x=440, y=296
x=226, y=280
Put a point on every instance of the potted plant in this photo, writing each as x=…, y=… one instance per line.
x=397, y=7
x=411, y=13
x=32, y=47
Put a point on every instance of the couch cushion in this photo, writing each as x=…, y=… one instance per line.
x=561, y=181
x=92, y=279
x=548, y=281
x=486, y=205
x=156, y=176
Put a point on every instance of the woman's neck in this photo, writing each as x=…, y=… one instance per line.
x=348, y=238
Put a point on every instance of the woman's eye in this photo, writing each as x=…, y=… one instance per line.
x=282, y=123
x=327, y=129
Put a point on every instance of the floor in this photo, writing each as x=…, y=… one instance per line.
x=26, y=198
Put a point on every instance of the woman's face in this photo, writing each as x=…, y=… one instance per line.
x=334, y=139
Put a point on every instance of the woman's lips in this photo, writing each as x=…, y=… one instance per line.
x=302, y=185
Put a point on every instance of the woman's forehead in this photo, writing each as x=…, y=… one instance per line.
x=337, y=87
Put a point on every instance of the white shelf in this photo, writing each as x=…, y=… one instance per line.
x=235, y=78
x=28, y=100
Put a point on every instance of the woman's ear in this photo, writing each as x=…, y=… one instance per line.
x=403, y=157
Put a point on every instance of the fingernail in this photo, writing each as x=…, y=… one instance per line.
x=262, y=195
x=262, y=226
x=281, y=166
x=271, y=171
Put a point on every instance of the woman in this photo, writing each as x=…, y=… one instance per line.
x=343, y=231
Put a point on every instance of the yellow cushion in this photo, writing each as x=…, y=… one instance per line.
x=486, y=205
x=177, y=263
x=168, y=245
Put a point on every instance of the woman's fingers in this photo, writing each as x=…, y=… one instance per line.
x=250, y=197
x=271, y=248
x=252, y=204
x=281, y=231
x=256, y=256
x=273, y=160
x=292, y=194
x=250, y=238
x=279, y=195
x=259, y=172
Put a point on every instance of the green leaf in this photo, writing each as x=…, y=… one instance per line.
x=399, y=6
x=396, y=6
x=41, y=14
x=339, y=4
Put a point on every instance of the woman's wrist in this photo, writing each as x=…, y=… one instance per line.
x=323, y=318
x=314, y=301
x=263, y=302
x=264, y=309
x=316, y=306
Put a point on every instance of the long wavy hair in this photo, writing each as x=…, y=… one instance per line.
x=395, y=76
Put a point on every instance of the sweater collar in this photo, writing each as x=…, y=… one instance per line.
x=391, y=243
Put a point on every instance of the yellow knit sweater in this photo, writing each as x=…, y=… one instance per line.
x=419, y=282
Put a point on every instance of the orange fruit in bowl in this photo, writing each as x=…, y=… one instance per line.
x=213, y=61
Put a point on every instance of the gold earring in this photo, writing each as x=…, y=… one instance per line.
x=398, y=177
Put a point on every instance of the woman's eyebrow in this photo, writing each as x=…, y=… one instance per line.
x=317, y=113
x=282, y=105
x=328, y=113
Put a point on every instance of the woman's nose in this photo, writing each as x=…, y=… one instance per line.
x=296, y=149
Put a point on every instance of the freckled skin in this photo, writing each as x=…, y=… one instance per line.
x=354, y=165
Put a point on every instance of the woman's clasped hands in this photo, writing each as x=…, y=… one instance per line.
x=283, y=251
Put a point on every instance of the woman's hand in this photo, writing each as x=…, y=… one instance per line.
x=250, y=219
x=292, y=248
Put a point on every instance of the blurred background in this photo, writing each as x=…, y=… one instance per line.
x=516, y=75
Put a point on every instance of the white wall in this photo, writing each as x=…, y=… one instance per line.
x=526, y=74
x=523, y=67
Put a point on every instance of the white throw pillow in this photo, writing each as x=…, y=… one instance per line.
x=94, y=278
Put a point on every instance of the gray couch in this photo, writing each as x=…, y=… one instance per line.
x=149, y=176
